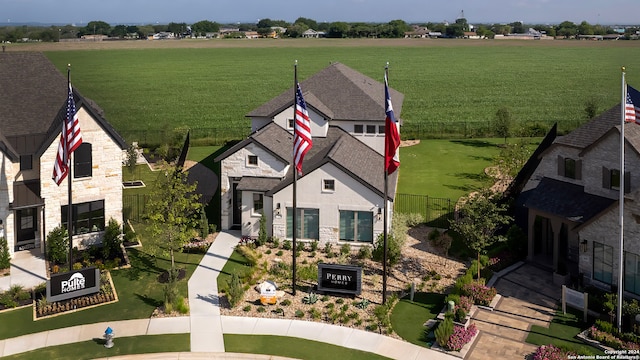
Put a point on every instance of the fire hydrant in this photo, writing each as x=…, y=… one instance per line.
x=108, y=336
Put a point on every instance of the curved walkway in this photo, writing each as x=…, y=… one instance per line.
x=206, y=326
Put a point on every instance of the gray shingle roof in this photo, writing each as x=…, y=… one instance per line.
x=250, y=183
x=565, y=199
x=591, y=131
x=34, y=97
x=338, y=92
x=271, y=138
x=348, y=154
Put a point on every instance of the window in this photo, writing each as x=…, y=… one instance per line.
x=252, y=160
x=371, y=129
x=569, y=168
x=82, y=162
x=611, y=179
x=308, y=224
x=258, y=203
x=358, y=129
x=602, y=262
x=381, y=129
x=290, y=123
x=26, y=162
x=87, y=217
x=329, y=185
x=356, y=226
x=632, y=273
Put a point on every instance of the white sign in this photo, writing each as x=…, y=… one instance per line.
x=75, y=282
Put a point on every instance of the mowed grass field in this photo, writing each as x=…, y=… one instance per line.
x=145, y=86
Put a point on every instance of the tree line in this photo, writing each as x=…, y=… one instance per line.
x=264, y=27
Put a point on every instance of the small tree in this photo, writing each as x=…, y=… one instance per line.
x=478, y=220
x=204, y=223
x=503, y=123
x=5, y=258
x=132, y=159
x=591, y=107
x=172, y=210
x=58, y=245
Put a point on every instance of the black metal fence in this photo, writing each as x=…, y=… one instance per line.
x=209, y=136
x=482, y=128
x=133, y=206
x=435, y=211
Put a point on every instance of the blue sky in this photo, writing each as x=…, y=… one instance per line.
x=229, y=11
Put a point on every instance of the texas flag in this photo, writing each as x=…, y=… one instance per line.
x=391, y=134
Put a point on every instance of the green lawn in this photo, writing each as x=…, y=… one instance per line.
x=408, y=317
x=293, y=347
x=562, y=332
x=138, y=291
x=122, y=346
x=448, y=168
x=453, y=83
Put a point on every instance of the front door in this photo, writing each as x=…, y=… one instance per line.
x=26, y=228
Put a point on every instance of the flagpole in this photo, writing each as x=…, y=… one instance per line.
x=295, y=178
x=384, y=202
x=69, y=167
x=621, y=205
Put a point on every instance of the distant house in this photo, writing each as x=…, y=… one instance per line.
x=341, y=193
x=34, y=97
x=572, y=204
x=251, y=34
x=98, y=37
x=470, y=35
x=417, y=32
x=310, y=33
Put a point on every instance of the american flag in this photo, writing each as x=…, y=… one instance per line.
x=391, y=134
x=632, y=106
x=302, y=131
x=70, y=140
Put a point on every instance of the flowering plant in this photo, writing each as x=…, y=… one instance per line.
x=461, y=337
x=481, y=294
x=551, y=352
x=610, y=340
x=462, y=308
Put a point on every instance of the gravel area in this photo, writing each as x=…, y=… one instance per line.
x=419, y=258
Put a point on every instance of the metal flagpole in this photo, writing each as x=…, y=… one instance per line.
x=384, y=202
x=295, y=177
x=621, y=205
x=68, y=164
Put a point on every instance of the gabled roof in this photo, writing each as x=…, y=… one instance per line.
x=349, y=155
x=348, y=94
x=34, y=97
x=271, y=137
x=564, y=199
x=591, y=131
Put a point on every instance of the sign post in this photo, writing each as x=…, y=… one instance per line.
x=576, y=300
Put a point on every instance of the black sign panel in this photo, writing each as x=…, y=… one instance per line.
x=72, y=284
x=340, y=278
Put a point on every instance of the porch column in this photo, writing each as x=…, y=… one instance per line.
x=556, y=225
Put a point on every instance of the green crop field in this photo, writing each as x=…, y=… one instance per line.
x=449, y=82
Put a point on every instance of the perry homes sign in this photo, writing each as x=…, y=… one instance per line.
x=340, y=278
x=72, y=284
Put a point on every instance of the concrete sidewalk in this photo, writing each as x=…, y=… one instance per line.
x=28, y=269
x=204, y=305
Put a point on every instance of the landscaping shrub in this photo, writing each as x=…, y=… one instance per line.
x=262, y=233
x=111, y=240
x=394, y=249
x=444, y=331
x=251, y=255
x=610, y=340
x=236, y=290
x=364, y=252
x=345, y=249
x=286, y=245
x=57, y=245
x=314, y=246
x=5, y=258
x=307, y=272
